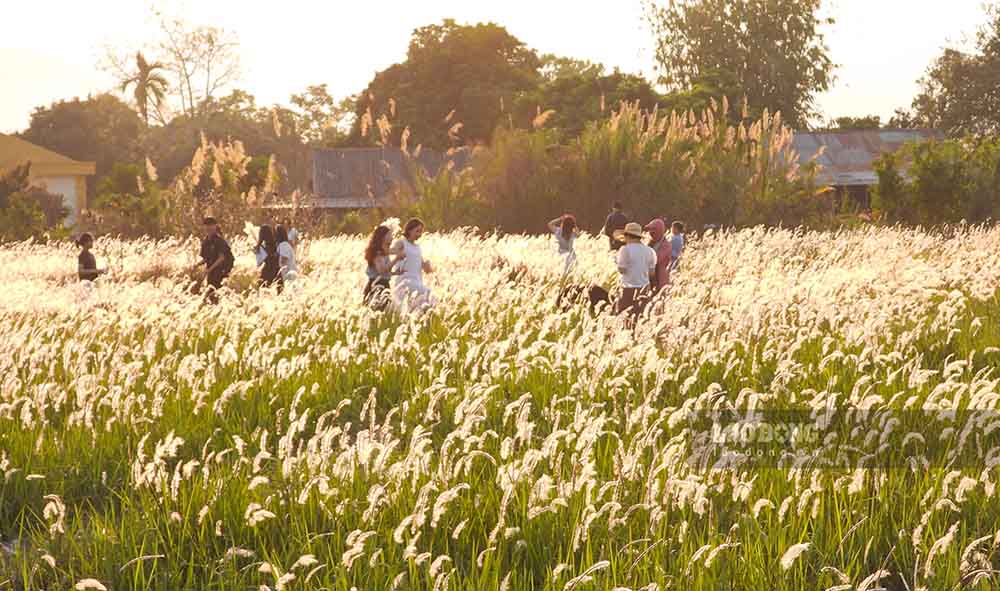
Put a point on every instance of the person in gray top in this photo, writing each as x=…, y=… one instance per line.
x=565, y=230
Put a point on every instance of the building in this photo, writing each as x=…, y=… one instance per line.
x=847, y=161
x=53, y=172
x=353, y=178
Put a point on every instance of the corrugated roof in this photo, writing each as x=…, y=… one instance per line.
x=14, y=151
x=361, y=177
x=848, y=156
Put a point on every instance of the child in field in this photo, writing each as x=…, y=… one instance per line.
x=86, y=262
x=408, y=289
x=636, y=263
x=565, y=230
x=379, y=268
x=676, y=243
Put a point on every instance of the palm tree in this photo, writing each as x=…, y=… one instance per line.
x=150, y=85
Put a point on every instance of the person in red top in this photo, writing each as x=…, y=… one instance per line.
x=660, y=244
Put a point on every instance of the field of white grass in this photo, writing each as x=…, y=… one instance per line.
x=301, y=441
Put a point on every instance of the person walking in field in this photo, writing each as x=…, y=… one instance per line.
x=217, y=257
x=565, y=230
x=379, y=270
x=615, y=222
x=86, y=262
x=287, y=265
x=636, y=263
x=676, y=243
x=660, y=244
x=408, y=289
x=266, y=253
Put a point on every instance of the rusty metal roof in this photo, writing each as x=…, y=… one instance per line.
x=848, y=156
x=364, y=177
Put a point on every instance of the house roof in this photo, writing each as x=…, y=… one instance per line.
x=14, y=151
x=363, y=177
x=848, y=157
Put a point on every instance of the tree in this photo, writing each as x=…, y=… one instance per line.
x=150, y=87
x=773, y=49
x=261, y=131
x=960, y=93
x=455, y=84
x=101, y=129
x=846, y=123
x=580, y=92
x=203, y=59
x=320, y=119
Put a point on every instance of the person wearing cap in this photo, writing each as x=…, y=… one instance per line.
x=86, y=263
x=614, y=223
x=215, y=255
x=661, y=246
x=636, y=263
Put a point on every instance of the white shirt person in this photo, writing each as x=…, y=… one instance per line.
x=408, y=289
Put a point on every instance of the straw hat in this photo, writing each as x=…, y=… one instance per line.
x=632, y=230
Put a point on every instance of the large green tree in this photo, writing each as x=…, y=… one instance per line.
x=579, y=92
x=960, y=93
x=773, y=51
x=454, y=86
x=101, y=129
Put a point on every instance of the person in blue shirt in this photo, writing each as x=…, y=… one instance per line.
x=676, y=243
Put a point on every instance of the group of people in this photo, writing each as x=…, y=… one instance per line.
x=395, y=269
x=644, y=269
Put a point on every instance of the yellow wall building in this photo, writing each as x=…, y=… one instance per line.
x=54, y=172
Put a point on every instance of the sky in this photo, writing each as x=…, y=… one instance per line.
x=881, y=46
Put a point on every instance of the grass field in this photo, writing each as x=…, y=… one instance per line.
x=301, y=441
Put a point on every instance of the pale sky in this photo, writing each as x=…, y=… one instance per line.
x=881, y=46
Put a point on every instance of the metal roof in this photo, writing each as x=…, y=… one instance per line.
x=848, y=156
x=363, y=177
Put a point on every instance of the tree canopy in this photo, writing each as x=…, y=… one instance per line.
x=102, y=129
x=455, y=85
x=960, y=93
x=771, y=52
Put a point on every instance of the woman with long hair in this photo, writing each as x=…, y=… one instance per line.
x=379, y=268
x=408, y=289
x=565, y=230
x=266, y=252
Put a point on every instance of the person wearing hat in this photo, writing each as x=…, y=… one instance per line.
x=661, y=245
x=636, y=263
x=216, y=256
x=86, y=263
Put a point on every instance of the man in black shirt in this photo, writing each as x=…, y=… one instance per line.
x=616, y=221
x=216, y=255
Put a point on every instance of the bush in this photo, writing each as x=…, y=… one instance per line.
x=944, y=182
x=26, y=210
x=129, y=203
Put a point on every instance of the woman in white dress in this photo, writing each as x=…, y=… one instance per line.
x=408, y=289
x=286, y=255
